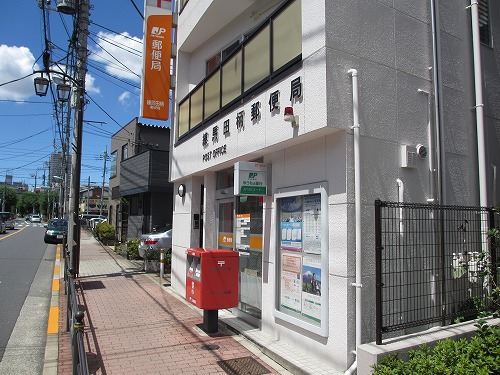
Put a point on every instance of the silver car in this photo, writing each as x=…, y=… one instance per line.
x=8, y=218
x=3, y=228
x=159, y=238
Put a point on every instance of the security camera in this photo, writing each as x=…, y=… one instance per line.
x=422, y=151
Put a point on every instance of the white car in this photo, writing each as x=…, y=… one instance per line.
x=159, y=238
x=36, y=219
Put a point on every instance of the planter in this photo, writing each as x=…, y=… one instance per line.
x=151, y=266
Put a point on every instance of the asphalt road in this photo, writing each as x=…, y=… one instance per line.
x=26, y=273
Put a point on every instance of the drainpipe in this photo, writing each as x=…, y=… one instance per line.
x=437, y=101
x=357, y=203
x=478, y=86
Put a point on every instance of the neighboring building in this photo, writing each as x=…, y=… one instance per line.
x=272, y=83
x=141, y=195
x=93, y=201
x=55, y=168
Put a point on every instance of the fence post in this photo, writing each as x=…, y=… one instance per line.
x=378, y=271
x=78, y=326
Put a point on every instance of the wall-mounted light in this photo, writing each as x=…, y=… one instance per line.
x=181, y=190
x=289, y=117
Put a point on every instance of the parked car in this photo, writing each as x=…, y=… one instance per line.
x=36, y=218
x=8, y=217
x=56, y=229
x=3, y=228
x=159, y=238
x=94, y=221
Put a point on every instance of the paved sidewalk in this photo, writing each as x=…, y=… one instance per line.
x=134, y=324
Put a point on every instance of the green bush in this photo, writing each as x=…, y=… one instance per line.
x=152, y=254
x=133, y=248
x=104, y=231
x=479, y=355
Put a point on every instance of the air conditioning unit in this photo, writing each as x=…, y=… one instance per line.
x=66, y=6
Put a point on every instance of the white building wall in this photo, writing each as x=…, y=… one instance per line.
x=390, y=44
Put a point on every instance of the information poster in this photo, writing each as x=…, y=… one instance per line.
x=290, y=282
x=311, y=287
x=300, y=240
x=312, y=224
x=243, y=231
x=291, y=223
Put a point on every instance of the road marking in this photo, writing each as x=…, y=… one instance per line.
x=53, y=321
x=53, y=326
x=11, y=234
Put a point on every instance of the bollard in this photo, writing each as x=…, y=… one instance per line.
x=162, y=263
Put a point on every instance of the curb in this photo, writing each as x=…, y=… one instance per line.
x=52, y=344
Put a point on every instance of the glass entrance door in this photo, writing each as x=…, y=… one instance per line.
x=248, y=242
x=225, y=217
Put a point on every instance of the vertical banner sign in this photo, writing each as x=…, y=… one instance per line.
x=155, y=88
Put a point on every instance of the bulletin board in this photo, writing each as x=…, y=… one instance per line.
x=302, y=256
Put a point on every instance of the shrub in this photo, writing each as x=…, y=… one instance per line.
x=479, y=355
x=152, y=254
x=105, y=231
x=133, y=248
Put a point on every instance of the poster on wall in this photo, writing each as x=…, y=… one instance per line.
x=312, y=224
x=311, y=287
x=291, y=223
x=243, y=231
x=290, y=282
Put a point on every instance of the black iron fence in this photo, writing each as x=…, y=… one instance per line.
x=434, y=264
x=74, y=320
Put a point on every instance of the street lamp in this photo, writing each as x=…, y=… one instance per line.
x=41, y=85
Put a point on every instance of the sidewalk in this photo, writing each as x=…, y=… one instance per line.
x=136, y=325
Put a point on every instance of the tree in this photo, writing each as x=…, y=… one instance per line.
x=27, y=203
x=10, y=198
x=46, y=200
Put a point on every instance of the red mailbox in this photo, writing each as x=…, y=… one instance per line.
x=212, y=278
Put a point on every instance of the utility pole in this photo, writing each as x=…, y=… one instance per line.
x=76, y=161
x=4, y=191
x=105, y=157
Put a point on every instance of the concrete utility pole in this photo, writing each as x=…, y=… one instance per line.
x=76, y=161
x=105, y=157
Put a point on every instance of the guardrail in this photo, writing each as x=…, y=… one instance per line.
x=74, y=320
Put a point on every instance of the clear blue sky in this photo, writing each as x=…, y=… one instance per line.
x=28, y=130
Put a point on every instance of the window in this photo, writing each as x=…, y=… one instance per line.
x=112, y=168
x=287, y=35
x=257, y=58
x=484, y=22
x=278, y=39
x=231, y=79
x=125, y=151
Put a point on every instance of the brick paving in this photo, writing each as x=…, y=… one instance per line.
x=135, y=325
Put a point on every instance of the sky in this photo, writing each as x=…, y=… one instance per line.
x=28, y=127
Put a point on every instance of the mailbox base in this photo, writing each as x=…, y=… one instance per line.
x=211, y=321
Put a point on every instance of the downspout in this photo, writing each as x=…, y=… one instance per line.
x=478, y=86
x=357, y=206
x=437, y=102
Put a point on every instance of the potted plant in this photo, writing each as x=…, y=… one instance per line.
x=151, y=260
x=133, y=248
x=105, y=233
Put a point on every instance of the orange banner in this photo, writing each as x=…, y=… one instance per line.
x=156, y=75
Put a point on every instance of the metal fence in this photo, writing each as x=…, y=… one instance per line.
x=434, y=264
x=74, y=320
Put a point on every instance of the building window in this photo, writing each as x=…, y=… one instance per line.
x=279, y=39
x=484, y=22
x=257, y=58
x=231, y=79
x=112, y=168
x=125, y=151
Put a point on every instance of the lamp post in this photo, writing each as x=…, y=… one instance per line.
x=63, y=91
